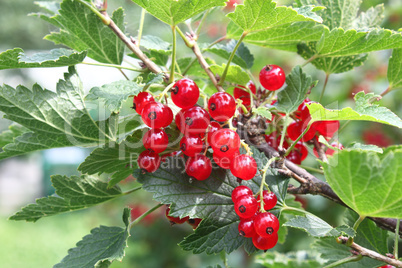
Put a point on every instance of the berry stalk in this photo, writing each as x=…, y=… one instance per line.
x=137, y=220
x=264, y=174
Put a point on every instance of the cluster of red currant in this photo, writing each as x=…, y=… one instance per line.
x=256, y=223
x=176, y=220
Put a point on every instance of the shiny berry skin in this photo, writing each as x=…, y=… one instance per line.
x=157, y=115
x=246, y=206
x=213, y=127
x=175, y=220
x=156, y=140
x=199, y=167
x=195, y=120
x=269, y=198
x=221, y=106
x=272, y=77
x=194, y=222
x=223, y=162
x=265, y=243
x=294, y=157
x=296, y=128
x=191, y=145
x=327, y=128
x=185, y=93
x=148, y=161
x=142, y=99
x=265, y=224
x=225, y=142
x=246, y=228
x=179, y=117
x=304, y=111
x=244, y=167
x=240, y=191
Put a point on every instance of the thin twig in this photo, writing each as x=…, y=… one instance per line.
x=324, y=87
x=375, y=255
x=320, y=151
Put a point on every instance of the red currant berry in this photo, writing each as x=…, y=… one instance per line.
x=272, y=77
x=301, y=106
x=246, y=227
x=265, y=243
x=327, y=128
x=185, y=93
x=142, y=99
x=191, y=145
x=213, y=127
x=244, y=167
x=172, y=154
x=294, y=157
x=225, y=142
x=295, y=129
x=195, y=120
x=265, y=224
x=148, y=161
x=175, y=220
x=221, y=106
x=156, y=140
x=269, y=198
x=243, y=94
x=304, y=111
x=301, y=149
x=194, y=222
x=199, y=167
x=157, y=115
x=246, y=206
x=240, y=191
x=223, y=162
x=336, y=145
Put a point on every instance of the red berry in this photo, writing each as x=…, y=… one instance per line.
x=269, y=198
x=295, y=129
x=195, y=120
x=272, y=77
x=336, y=145
x=223, y=162
x=142, y=99
x=156, y=140
x=185, y=93
x=213, y=127
x=246, y=206
x=191, y=145
x=294, y=157
x=301, y=149
x=246, y=227
x=327, y=128
x=172, y=154
x=157, y=115
x=194, y=222
x=244, y=167
x=240, y=191
x=199, y=167
x=221, y=106
x=265, y=224
x=304, y=111
x=225, y=142
x=273, y=140
x=175, y=220
x=243, y=94
x=149, y=161
x=265, y=243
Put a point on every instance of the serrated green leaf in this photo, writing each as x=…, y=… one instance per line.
x=16, y=58
x=103, y=246
x=340, y=13
x=395, y=69
x=81, y=29
x=114, y=94
x=297, y=259
x=156, y=44
x=297, y=85
x=195, y=70
x=234, y=75
x=73, y=193
x=365, y=147
x=50, y=6
x=13, y=132
x=173, y=12
x=316, y=227
x=331, y=252
x=367, y=182
x=263, y=111
x=372, y=18
x=243, y=57
x=369, y=235
x=56, y=119
x=364, y=111
x=257, y=15
x=154, y=79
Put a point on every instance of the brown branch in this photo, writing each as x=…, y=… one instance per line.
x=130, y=43
x=252, y=130
x=320, y=151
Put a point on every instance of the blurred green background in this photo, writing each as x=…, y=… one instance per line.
x=154, y=242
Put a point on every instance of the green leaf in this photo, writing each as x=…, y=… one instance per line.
x=81, y=29
x=297, y=85
x=154, y=43
x=340, y=13
x=395, y=69
x=372, y=18
x=263, y=111
x=49, y=6
x=369, y=235
x=9, y=135
x=72, y=193
x=364, y=111
x=331, y=252
x=114, y=94
x=173, y=12
x=365, y=147
x=367, y=182
x=103, y=246
x=16, y=58
x=316, y=227
x=243, y=57
x=56, y=119
x=258, y=15
x=296, y=259
x=234, y=75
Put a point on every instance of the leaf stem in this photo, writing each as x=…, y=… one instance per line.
x=198, y=30
x=105, y=19
x=223, y=77
x=385, y=92
x=137, y=220
x=309, y=60
x=184, y=37
x=165, y=91
x=324, y=87
x=263, y=183
x=358, y=221
x=142, y=19
x=113, y=66
x=345, y=260
x=171, y=79
x=284, y=131
x=398, y=221
x=132, y=190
